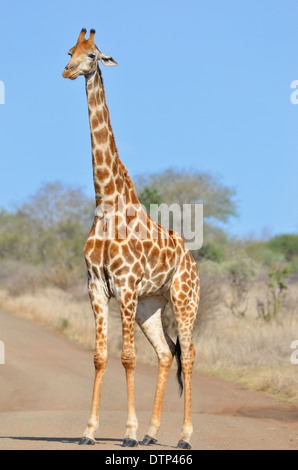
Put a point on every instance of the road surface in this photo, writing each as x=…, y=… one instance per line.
x=45, y=395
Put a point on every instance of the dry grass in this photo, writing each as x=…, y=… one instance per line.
x=251, y=352
x=247, y=350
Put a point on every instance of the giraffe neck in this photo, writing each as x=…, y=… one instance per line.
x=109, y=173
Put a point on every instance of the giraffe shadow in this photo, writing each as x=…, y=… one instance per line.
x=75, y=441
x=61, y=440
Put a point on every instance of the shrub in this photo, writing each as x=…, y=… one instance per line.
x=277, y=287
x=241, y=271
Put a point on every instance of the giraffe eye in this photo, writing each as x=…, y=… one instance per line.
x=91, y=56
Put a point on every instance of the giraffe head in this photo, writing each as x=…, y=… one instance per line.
x=84, y=57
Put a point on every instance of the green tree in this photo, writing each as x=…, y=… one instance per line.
x=215, y=246
x=192, y=187
x=286, y=244
x=51, y=227
x=149, y=196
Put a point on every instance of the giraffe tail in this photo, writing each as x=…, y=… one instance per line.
x=179, y=371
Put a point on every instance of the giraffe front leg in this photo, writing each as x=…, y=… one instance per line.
x=99, y=303
x=128, y=305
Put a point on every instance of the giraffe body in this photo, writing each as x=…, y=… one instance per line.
x=131, y=257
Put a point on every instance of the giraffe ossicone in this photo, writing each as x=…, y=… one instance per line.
x=144, y=273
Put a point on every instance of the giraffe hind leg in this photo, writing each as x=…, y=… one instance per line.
x=149, y=319
x=186, y=354
x=185, y=293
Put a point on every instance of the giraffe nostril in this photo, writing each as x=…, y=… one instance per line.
x=66, y=68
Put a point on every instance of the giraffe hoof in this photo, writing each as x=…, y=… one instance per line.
x=86, y=441
x=183, y=445
x=148, y=440
x=129, y=442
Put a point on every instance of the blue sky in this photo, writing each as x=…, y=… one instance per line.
x=202, y=85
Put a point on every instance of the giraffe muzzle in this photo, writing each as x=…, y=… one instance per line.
x=71, y=72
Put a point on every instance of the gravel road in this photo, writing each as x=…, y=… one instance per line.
x=45, y=396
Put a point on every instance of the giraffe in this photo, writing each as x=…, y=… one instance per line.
x=143, y=273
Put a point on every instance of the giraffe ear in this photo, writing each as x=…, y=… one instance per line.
x=107, y=60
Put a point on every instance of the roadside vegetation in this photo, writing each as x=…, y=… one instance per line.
x=248, y=315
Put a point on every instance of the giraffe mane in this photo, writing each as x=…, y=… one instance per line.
x=123, y=167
